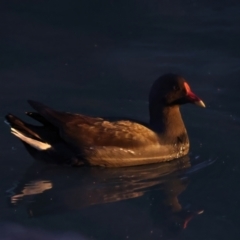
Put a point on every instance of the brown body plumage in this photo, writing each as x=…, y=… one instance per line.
x=78, y=139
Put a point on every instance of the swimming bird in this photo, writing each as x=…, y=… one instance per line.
x=77, y=139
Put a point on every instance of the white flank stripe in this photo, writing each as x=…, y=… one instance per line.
x=32, y=142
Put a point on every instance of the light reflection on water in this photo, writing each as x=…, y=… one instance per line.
x=32, y=188
x=60, y=190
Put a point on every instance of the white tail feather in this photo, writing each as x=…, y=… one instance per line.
x=32, y=142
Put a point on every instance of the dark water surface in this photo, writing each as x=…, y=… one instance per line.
x=100, y=58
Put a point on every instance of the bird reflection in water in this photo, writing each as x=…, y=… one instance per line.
x=50, y=190
x=32, y=188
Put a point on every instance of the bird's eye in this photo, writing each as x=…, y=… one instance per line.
x=176, y=88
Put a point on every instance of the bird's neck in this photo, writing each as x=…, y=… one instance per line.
x=167, y=121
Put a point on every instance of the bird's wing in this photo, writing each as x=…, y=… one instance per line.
x=80, y=130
